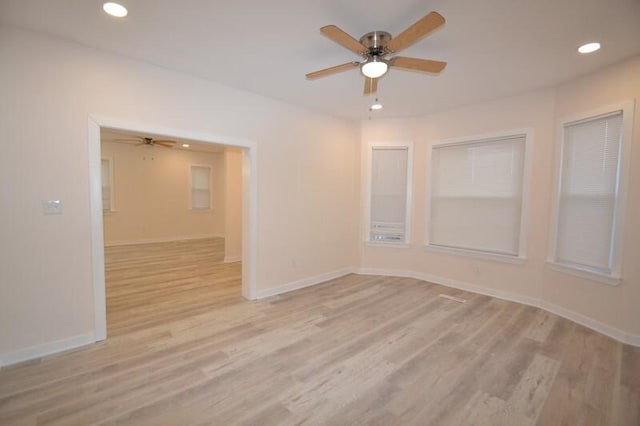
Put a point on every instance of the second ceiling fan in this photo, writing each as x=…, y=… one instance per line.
x=376, y=45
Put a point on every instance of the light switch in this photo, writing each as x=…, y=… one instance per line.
x=50, y=207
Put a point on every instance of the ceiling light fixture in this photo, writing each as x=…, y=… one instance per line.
x=376, y=106
x=185, y=145
x=374, y=67
x=589, y=47
x=115, y=9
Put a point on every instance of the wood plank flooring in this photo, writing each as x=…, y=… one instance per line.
x=185, y=348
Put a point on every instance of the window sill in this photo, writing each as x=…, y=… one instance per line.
x=585, y=273
x=388, y=245
x=516, y=260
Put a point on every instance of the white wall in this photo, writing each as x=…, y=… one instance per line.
x=233, y=205
x=616, y=308
x=306, y=180
x=151, y=191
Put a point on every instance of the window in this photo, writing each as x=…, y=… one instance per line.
x=107, y=184
x=389, y=193
x=588, y=211
x=200, y=187
x=477, y=195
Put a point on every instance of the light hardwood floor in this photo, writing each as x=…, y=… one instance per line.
x=185, y=348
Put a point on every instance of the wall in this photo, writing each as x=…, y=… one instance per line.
x=151, y=194
x=612, y=309
x=306, y=184
x=233, y=205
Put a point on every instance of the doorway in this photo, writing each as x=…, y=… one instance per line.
x=248, y=213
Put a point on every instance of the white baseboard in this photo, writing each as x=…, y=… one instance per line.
x=232, y=259
x=160, y=240
x=305, y=282
x=45, y=349
x=600, y=327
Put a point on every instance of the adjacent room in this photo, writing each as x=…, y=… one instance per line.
x=172, y=228
x=414, y=212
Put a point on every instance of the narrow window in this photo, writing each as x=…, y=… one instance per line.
x=107, y=184
x=389, y=193
x=200, y=187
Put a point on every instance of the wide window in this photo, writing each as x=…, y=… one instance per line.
x=107, y=184
x=200, y=187
x=476, y=196
x=389, y=192
x=588, y=211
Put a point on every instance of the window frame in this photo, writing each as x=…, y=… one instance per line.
x=406, y=243
x=521, y=257
x=190, y=205
x=112, y=208
x=614, y=277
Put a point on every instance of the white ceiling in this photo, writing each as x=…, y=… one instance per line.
x=494, y=47
x=110, y=135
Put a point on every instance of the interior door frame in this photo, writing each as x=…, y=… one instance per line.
x=249, y=204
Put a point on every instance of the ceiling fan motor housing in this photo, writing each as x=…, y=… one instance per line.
x=375, y=41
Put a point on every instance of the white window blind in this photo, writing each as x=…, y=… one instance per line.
x=389, y=177
x=588, y=191
x=476, y=195
x=200, y=188
x=105, y=164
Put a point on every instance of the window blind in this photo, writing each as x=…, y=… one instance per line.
x=588, y=191
x=200, y=188
x=388, y=194
x=106, y=184
x=476, y=195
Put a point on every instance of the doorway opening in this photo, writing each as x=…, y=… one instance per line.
x=192, y=241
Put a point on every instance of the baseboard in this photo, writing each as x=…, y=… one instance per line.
x=45, y=349
x=600, y=327
x=160, y=240
x=232, y=259
x=305, y=282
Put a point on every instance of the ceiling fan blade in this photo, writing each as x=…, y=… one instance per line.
x=416, y=31
x=164, y=141
x=343, y=39
x=167, y=144
x=333, y=70
x=370, y=85
x=416, y=64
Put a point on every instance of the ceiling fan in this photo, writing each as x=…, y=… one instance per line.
x=149, y=141
x=376, y=45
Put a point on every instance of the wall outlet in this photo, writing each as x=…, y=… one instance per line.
x=50, y=207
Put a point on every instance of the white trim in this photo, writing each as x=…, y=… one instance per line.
x=45, y=349
x=388, y=244
x=160, y=240
x=585, y=273
x=97, y=236
x=249, y=207
x=366, y=188
x=305, y=282
x=600, y=327
x=190, y=206
x=528, y=134
x=624, y=163
x=232, y=259
x=518, y=260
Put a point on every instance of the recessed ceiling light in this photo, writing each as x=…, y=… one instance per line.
x=185, y=145
x=115, y=9
x=589, y=47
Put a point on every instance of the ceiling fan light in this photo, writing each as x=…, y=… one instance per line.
x=376, y=106
x=374, y=68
